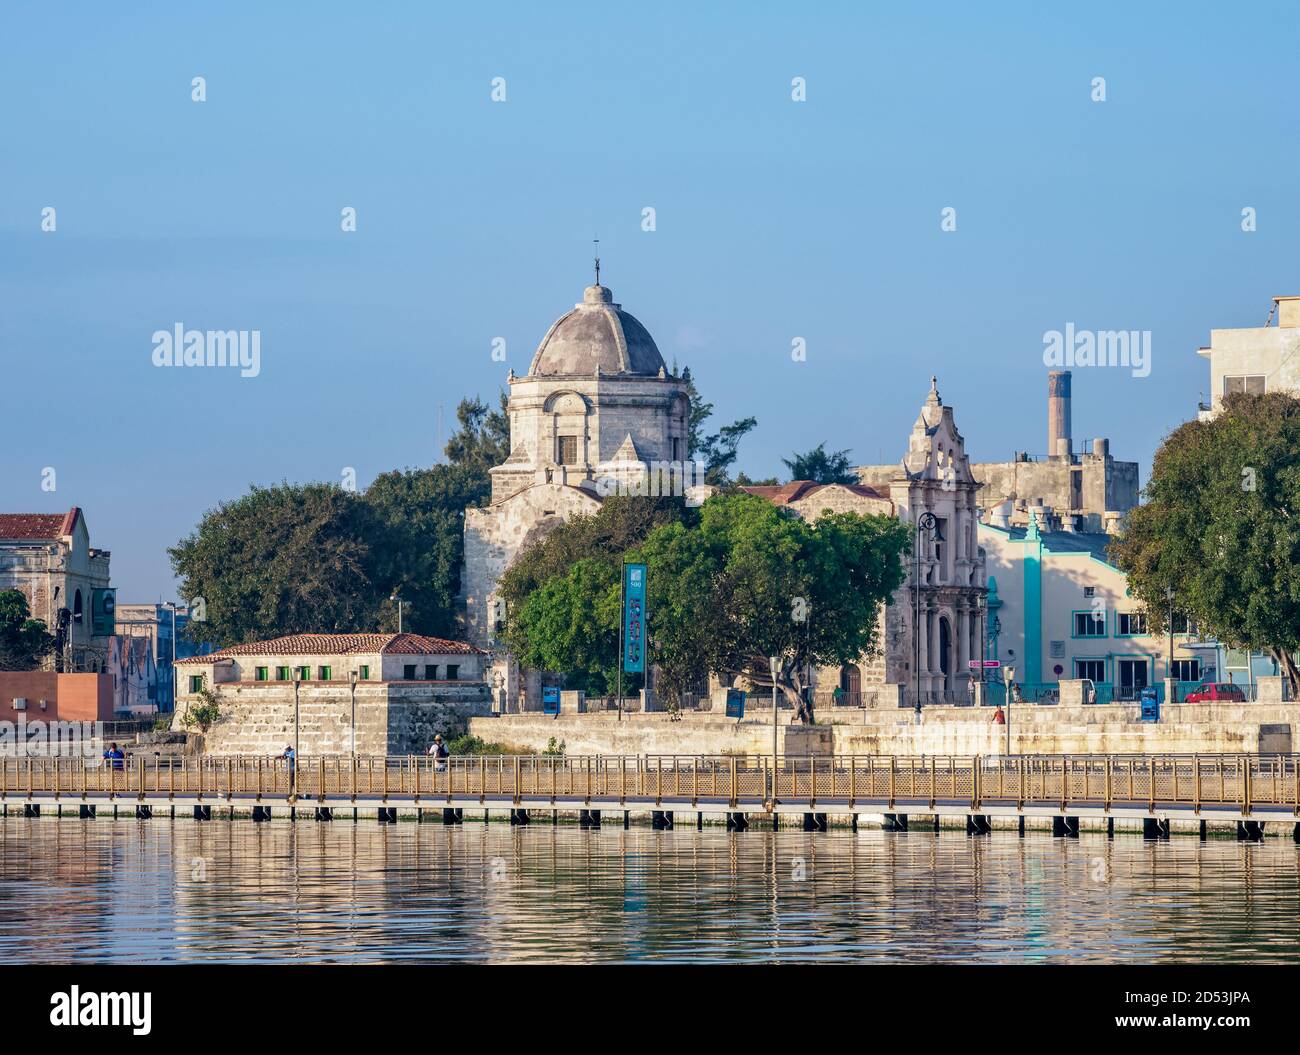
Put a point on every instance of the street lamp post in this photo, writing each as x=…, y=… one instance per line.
x=774, y=665
x=1169, y=663
x=297, y=680
x=352, y=677
x=1009, y=676
x=928, y=523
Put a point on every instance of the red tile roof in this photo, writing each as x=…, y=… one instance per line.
x=341, y=645
x=38, y=526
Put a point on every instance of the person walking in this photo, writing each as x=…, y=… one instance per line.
x=998, y=717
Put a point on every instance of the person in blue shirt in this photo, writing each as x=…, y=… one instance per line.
x=115, y=757
x=291, y=757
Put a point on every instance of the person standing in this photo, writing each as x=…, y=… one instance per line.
x=291, y=757
x=438, y=750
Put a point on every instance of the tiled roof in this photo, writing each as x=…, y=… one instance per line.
x=37, y=526
x=340, y=645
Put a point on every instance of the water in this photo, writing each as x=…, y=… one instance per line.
x=180, y=891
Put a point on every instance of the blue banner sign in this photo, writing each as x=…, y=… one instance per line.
x=550, y=699
x=634, y=619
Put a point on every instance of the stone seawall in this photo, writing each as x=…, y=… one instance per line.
x=1109, y=729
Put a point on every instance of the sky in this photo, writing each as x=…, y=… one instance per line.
x=774, y=220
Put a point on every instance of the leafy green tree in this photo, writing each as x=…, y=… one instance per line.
x=24, y=641
x=570, y=624
x=821, y=467
x=294, y=558
x=419, y=544
x=1220, y=527
x=483, y=439
x=728, y=587
x=753, y=581
x=719, y=450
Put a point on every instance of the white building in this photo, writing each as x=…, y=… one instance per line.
x=1255, y=360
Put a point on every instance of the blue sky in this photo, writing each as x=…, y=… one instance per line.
x=775, y=220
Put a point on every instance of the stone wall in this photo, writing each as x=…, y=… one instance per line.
x=1108, y=729
x=391, y=718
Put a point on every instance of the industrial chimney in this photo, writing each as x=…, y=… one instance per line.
x=1058, y=414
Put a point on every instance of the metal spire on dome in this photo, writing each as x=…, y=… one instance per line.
x=596, y=242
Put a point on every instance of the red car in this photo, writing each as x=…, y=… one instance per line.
x=1215, y=692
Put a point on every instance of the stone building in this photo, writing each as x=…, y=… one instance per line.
x=387, y=693
x=1255, y=360
x=933, y=477
x=596, y=411
x=48, y=557
x=1086, y=485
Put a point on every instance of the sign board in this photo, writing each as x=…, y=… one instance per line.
x=975, y=663
x=735, y=703
x=103, y=606
x=550, y=699
x=634, y=618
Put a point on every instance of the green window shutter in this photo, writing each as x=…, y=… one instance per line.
x=324, y=674
x=261, y=674
x=365, y=673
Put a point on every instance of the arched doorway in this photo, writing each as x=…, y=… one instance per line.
x=850, y=685
x=945, y=652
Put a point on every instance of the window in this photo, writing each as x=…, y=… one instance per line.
x=677, y=449
x=1183, y=625
x=408, y=672
x=1248, y=384
x=1132, y=678
x=323, y=674
x=431, y=672
x=1089, y=624
x=1186, y=670
x=364, y=674
x=282, y=674
x=304, y=673
x=1092, y=669
x=196, y=682
x=1090, y=591
x=453, y=671
x=568, y=454
x=1131, y=624
x=261, y=673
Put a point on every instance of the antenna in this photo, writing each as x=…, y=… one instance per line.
x=596, y=243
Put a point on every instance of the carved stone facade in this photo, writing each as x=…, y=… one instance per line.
x=597, y=407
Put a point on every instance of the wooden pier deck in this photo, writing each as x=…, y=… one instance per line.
x=1244, y=788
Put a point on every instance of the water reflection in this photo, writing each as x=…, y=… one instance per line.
x=165, y=891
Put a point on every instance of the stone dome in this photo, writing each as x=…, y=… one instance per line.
x=596, y=335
